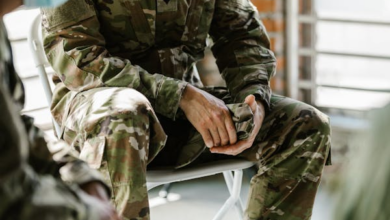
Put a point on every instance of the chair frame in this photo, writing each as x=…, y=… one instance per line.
x=161, y=176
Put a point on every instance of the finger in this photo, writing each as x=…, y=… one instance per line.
x=215, y=135
x=231, y=130
x=251, y=101
x=231, y=149
x=208, y=140
x=223, y=134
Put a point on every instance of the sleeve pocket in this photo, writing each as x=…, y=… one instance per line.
x=93, y=151
x=252, y=55
x=70, y=13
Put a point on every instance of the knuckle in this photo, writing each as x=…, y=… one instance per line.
x=218, y=115
x=226, y=111
x=225, y=141
x=203, y=123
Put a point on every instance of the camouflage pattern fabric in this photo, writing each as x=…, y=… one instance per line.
x=30, y=174
x=121, y=69
x=121, y=134
x=132, y=44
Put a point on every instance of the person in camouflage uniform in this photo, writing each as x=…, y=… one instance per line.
x=363, y=188
x=36, y=183
x=126, y=80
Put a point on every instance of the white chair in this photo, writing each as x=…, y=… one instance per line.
x=160, y=176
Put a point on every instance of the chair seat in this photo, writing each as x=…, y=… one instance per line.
x=166, y=175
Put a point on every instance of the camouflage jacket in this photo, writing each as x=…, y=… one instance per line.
x=152, y=46
x=23, y=150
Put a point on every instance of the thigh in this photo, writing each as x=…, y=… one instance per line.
x=117, y=132
x=100, y=113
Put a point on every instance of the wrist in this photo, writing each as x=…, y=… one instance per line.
x=261, y=107
x=188, y=94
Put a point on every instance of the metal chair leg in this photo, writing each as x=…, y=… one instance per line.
x=234, y=194
x=229, y=179
x=164, y=191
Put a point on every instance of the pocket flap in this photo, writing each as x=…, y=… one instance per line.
x=93, y=150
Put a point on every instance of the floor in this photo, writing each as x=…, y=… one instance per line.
x=201, y=199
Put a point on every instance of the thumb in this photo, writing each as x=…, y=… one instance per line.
x=251, y=101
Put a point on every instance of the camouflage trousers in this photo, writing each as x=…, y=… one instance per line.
x=117, y=132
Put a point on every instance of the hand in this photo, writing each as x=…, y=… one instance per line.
x=258, y=117
x=95, y=189
x=98, y=197
x=100, y=210
x=210, y=116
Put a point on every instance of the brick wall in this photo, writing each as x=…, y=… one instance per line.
x=272, y=15
x=305, y=41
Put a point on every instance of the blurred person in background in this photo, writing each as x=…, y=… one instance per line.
x=364, y=190
x=34, y=182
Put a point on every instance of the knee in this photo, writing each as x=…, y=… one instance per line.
x=320, y=122
x=126, y=101
x=315, y=130
x=312, y=120
x=110, y=110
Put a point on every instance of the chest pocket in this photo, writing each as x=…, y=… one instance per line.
x=128, y=23
x=140, y=18
x=198, y=22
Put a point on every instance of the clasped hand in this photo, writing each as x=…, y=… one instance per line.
x=211, y=118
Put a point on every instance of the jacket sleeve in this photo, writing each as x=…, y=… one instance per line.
x=76, y=50
x=242, y=49
x=57, y=158
x=13, y=145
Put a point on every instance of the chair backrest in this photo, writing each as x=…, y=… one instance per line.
x=40, y=61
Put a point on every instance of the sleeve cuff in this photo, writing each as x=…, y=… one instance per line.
x=169, y=96
x=261, y=92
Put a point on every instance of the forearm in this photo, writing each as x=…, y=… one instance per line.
x=242, y=49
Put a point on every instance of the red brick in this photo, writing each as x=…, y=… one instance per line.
x=305, y=6
x=281, y=63
x=273, y=24
x=277, y=84
x=268, y=5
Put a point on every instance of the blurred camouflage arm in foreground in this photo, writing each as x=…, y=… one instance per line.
x=26, y=195
x=13, y=144
x=76, y=50
x=57, y=158
x=242, y=50
x=20, y=142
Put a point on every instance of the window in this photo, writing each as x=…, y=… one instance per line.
x=18, y=25
x=343, y=50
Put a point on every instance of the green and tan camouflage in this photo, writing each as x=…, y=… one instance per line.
x=121, y=67
x=35, y=182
